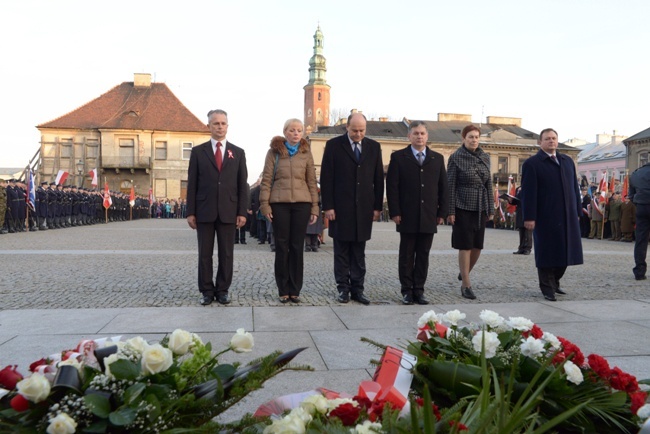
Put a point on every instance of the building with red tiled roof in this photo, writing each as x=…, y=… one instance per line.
x=138, y=133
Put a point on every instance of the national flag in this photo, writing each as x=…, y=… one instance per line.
x=602, y=187
x=597, y=201
x=61, y=177
x=612, y=185
x=625, y=187
x=496, y=196
x=93, y=176
x=503, y=216
x=132, y=197
x=31, y=192
x=150, y=196
x=511, y=208
x=107, y=197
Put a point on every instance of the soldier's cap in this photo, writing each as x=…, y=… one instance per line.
x=52, y=183
x=12, y=180
x=44, y=183
x=59, y=185
x=73, y=186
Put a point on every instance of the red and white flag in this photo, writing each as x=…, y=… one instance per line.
x=132, y=197
x=93, y=175
x=107, y=197
x=511, y=191
x=150, y=196
x=602, y=187
x=61, y=177
x=496, y=196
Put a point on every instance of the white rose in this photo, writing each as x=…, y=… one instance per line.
x=367, y=428
x=428, y=317
x=531, y=347
x=303, y=414
x=35, y=388
x=573, y=373
x=72, y=361
x=62, y=424
x=287, y=425
x=520, y=323
x=242, y=342
x=155, y=359
x=453, y=316
x=644, y=412
x=137, y=343
x=491, y=343
x=552, y=339
x=492, y=319
x=315, y=403
x=180, y=341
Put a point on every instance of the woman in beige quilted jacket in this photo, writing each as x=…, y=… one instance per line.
x=289, y=199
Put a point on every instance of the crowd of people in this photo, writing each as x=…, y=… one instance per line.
x=56, y=206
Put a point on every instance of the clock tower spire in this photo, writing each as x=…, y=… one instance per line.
x=317, y=91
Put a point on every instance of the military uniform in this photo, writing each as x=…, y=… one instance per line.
x=3, y=206
x=640, y=195
x=41, y=206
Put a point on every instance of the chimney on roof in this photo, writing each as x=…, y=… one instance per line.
x=447, y=117
x=383, y=119
x=141, y=80
x=504, y=120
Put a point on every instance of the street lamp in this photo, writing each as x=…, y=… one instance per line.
x=80, y=169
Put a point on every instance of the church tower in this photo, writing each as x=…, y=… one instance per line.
x=317, y=91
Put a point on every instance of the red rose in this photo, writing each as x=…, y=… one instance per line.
x=638, y=400
x=19, y=403
x=347, y=413
x=9, y=377
x=363, y=401
x=600, y=366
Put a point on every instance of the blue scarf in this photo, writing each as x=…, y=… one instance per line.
x=292, y=149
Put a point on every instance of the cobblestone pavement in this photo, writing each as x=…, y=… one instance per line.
x=152, y=263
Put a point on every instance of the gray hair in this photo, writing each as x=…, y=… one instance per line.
x=416, y=124
x=217, y=112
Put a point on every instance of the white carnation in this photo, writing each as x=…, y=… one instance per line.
x=550, y=338
x=492, y=319
x=531, y=347
x=491, y=343
x=520, y=323
x=428, y=317
x=573, y=373
x=644, y=412
x=453, y=316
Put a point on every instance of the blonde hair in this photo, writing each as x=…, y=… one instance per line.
x=288, y=123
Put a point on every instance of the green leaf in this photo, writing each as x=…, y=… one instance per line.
x=98, y=405
x=133, y=392
x=125, y=370
x=156, y=411
x=224, y=371
x=123, y=416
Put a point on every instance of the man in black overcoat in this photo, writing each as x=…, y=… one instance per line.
x=552, y=209
x=217, y=201
x=352, y=189
x=418, y=201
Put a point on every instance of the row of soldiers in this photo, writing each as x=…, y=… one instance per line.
x=59, y=206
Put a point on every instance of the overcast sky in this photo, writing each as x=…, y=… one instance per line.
x=579, y=66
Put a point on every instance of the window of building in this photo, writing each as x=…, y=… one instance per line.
x=66, y=148
x=503, y=165
x=160, y=189
x=643, y=158
x=187, y=150
x=127, y=143
x=161, y=151
x=319, y=96
x=521, y=166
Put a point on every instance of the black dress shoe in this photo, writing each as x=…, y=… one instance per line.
x=467, y=293
x=560, y=291
x=407, y=299
x=236, y=241
x=526, y=252
x=206, y=300
x=242, y=242
x=550, y=297
x=343, y=297
x=640, y=277
x=419, y=299
x=518, y=252
x=223, y=299
x=360, y=298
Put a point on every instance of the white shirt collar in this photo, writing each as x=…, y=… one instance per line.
x=214, y=145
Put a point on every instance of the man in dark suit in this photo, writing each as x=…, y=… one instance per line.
x=352, y=189
x=416, y=189
x=217, y=200
x=552, y=210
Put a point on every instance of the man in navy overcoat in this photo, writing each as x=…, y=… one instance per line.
x=552, y=208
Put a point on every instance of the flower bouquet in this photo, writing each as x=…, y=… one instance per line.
x=115, y=386
x=516, y=365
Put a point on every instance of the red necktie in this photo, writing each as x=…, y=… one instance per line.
x=217, y=156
